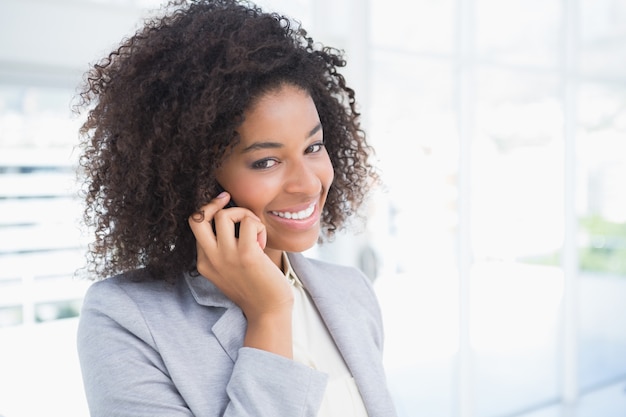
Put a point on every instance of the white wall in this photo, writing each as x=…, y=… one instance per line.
x=56, y=40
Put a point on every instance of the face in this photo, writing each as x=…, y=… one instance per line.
x=281, y=170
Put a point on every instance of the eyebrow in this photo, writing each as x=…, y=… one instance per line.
x=274, y=145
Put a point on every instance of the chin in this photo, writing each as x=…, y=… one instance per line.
x=293, y=245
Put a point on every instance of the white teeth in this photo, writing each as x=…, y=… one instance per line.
x=300, y=215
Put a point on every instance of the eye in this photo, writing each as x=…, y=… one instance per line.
x=264, y=163
x=315, y=147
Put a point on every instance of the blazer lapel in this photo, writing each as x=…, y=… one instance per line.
x=352, y=337
x=230, y=328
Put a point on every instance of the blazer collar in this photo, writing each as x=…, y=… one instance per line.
x=230, y=327
x=206, y=293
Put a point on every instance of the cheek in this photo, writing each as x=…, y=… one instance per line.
x=253, y=192
x=327, y=173
x=251, y=195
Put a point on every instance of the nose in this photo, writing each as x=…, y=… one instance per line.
x=303, y=178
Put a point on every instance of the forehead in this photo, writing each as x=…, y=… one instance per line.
x=287, y=110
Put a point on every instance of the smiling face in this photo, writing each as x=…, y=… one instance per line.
x=280, y=169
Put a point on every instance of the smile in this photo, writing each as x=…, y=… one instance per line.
x=300, y=215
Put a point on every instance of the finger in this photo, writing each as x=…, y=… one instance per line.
x=226, y=223
x=200, y=221
x=253, y=230
x=207, y=211
x=203, y=264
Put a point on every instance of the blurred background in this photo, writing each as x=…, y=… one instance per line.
x=497, y=246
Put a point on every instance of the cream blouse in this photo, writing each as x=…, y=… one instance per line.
x=314, y=347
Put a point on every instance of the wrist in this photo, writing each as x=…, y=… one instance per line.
x=271, y=332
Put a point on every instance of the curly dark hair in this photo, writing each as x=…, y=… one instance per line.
x=163, y=109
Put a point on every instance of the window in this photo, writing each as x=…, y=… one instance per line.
x=41, y=245
x=500, y=130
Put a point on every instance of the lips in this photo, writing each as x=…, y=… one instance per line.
x=298, y=215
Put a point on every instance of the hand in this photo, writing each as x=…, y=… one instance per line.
x=244, y=273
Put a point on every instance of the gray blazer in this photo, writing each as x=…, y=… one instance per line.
x=150, y=348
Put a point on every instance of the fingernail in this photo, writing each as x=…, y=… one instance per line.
x=222, y=194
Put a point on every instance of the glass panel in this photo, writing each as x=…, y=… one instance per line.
x=602, y=232
x=517, y=168
x=519, y=32
x=10, y=316
x=414, y=132
x=603, y=37
x=606, y=402
x=514, y=324
x=40, y=248
x=517, y=229
x=37, y=176
x=57, y=310
x=40, y=360
x=419, y=26
x=36, y=117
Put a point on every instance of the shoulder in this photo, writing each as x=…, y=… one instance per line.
x=131, y=301
x=340, y=291
x=343, y=284
x=298, y=260
x=126, y=289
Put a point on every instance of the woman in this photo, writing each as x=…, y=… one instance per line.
x=213, y=310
